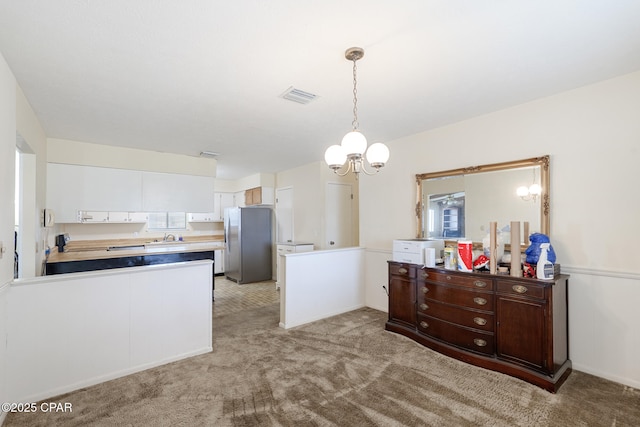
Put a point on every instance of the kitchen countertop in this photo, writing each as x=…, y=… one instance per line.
x=108, y=249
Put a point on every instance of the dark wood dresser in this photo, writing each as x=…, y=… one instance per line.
x=517, y=326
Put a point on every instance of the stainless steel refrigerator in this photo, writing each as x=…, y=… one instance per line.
x=248, y=244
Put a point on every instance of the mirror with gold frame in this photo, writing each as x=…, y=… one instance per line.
x=460, y=203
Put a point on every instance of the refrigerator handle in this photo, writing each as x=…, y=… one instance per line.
x=227, y=241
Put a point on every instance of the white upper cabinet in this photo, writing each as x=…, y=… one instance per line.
x=71, y=188
x=169, y=192
x=128, y=217
x=201, y=217
x=93, y=216
x=221, y=202
x=238, y=199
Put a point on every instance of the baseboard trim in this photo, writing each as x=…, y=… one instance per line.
x=108, y=377
x=607, y=376
x=324, y=316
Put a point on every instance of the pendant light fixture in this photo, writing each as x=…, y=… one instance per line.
x=354, y=143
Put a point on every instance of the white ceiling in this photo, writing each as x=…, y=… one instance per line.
x=193, y=75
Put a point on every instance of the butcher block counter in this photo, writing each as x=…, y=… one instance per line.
x=92, y=255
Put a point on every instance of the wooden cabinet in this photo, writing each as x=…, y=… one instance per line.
x=528, y=315
x=253, y=196
x=402, y=294
x=516, y=326
x=259, y=196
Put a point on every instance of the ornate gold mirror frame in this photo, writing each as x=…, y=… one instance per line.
x=542, y=162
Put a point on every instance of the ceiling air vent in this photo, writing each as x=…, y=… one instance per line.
x=209, y=154
x=297, y=95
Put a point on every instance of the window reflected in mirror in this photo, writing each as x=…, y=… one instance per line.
x=445, y=217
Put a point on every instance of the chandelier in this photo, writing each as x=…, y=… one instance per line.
x=354, y=143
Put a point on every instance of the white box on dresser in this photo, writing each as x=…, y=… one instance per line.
x=413, y=250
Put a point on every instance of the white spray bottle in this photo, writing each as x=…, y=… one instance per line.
x=544, y=269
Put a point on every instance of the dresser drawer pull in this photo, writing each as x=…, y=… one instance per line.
x=479, y=342
x=448, y=277
x=424, y=307
x=480, y=284
x=479, y=321
x=403, y=270
x=480, y=301
x=425, y=274
x=519, y=289
x=425, y=290
x=424, y=324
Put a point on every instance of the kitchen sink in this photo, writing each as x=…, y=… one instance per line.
x=125, y=248
x=165, y=243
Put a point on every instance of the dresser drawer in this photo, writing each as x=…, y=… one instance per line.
x=405, y=270
x=456, y=296
x=461, y=279
x=457, y=315
x=469, y=339
x=524, y=289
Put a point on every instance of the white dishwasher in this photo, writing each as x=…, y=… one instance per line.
x=288, y=248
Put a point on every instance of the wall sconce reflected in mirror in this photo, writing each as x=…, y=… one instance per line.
x=529, y=193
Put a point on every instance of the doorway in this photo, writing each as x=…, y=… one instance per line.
x=26, y=212
x=339, y=232
x=284, y=215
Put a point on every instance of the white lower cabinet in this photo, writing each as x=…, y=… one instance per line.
x=284, y=249
x=218, y=261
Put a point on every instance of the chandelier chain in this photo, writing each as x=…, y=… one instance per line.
x=355, y=123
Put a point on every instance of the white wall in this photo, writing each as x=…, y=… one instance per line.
x=70, y=331
x=83, y=153
x=321, y=284
x=592, y=136
x=309, y=192
x=32, y=134
x=7, y=213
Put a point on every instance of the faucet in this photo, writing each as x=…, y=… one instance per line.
x=169, y=238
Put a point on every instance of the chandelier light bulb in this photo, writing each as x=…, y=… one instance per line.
x=377, y=155
x=354, y=144
x=335, y=157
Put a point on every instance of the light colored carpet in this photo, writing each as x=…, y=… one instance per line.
x=341, y=371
